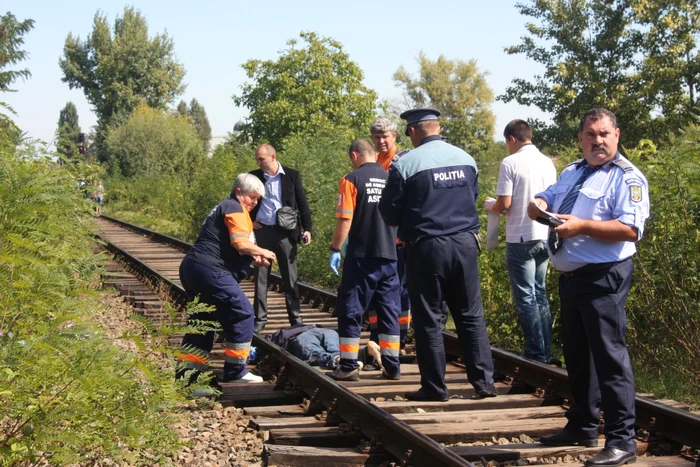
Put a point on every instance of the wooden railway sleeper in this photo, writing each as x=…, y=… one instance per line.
x=332, y=413
x=314, y=404
x=378, y=455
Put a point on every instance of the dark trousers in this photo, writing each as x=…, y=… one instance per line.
x=365, y=281
x=279, y=241
x=232, y=310
x=444, y=270
x=405, y=316
x=594, y=322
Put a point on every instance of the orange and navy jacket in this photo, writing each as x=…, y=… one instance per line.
x=226, y=224
x=359, y=193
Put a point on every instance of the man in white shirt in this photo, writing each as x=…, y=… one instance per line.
x=523, y=174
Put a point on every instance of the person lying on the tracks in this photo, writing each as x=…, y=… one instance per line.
x=320, y=346
x=219, y=259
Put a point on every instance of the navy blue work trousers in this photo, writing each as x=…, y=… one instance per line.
x=233, y=311
x=444, y=270
x=365, y=281
x=594, y=322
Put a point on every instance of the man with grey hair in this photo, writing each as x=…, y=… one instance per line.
x=219, y=259
x=383, y=133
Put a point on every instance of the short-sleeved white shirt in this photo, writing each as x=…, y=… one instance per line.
x=521, y=176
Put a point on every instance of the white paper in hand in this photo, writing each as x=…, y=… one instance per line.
x=494, y=225
x=548, y=218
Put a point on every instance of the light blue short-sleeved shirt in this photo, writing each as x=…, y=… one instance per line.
x=272, y=201
x=613, y=192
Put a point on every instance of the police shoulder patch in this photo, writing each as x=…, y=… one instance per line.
x=399, y=154
x=635, y=193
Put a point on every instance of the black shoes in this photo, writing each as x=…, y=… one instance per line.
x=612, y=457
x=564, y=438
x=259, y=327
x=422, y=396
x=340, y=375
x=394, y=377
x=484, y=393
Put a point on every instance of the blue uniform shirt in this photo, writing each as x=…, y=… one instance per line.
x=272, y=201
x=431, y=191
x=614, y=192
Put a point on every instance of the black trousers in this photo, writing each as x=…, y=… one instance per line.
x=444, y=270
x=280, y=242
x=594, y=322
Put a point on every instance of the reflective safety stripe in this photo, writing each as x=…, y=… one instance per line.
x=195, y=362
x=343, y=211
x=239, y=235
x=349, y=347
x=237, y=353
x=390, y=345
x=405, y=320
x=372, y=319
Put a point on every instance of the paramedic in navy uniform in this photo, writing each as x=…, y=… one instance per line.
x=431, y=196
x=604, y=200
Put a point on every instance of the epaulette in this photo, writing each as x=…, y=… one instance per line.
x=399, y=155
x=624, y=164
x=578, y=161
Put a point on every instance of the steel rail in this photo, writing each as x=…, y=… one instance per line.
x=394, y=436
x=676, y=425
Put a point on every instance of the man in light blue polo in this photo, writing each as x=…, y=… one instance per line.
x=603, y=200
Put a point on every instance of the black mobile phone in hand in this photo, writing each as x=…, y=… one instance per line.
x=305, y=239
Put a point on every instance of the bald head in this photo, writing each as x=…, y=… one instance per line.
x=361, y=151
x=266, y=158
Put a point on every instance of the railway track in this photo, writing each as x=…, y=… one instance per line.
x=314, y=420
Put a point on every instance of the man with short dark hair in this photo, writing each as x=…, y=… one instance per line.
x=369, y=270
x=431, y=196
x=283, y=190
x=603, y=201
x=522, y=174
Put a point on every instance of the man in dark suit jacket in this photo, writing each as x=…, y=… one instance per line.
x=283, y=188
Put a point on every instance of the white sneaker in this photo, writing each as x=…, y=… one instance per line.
x=249, y=378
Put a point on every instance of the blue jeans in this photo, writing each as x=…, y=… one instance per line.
x=527, y=267
x=319, y=345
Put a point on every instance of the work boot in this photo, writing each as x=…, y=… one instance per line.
x=339, y=375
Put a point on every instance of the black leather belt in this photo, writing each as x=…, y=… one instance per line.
x=593, y=267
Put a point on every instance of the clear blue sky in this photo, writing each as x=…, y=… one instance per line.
x=213, y=38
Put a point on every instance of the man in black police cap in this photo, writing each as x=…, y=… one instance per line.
x=431, y=196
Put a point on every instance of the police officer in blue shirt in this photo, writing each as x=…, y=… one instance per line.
x=603, y=200
x=431, y=196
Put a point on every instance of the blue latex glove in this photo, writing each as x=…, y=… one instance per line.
x=335, y=261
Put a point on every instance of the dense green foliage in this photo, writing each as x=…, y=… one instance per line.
x=638, y=58
x=11, y=39
x=66, y=393
x=308, y=89
x=457, y=89
x=199, y=120
x=121, y=69
x=67, y=132
x=154, y=143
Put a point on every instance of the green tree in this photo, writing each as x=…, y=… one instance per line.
x=670, y=69
x=120, y=69
x=182, y=109
x=589, y=50
x=313, y=85
x=155, y=142
x=457, y=89
x=68, y=131
x=201, y=123
x=11, y=39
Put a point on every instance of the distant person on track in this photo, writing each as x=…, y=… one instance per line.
x=369, y=269
x=277, y=228
x=219, y=259
x=431, y=196
x=383, y=132
x=522, y=174
x=604, y=202
x=98, y=195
